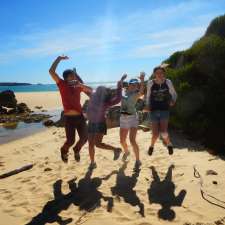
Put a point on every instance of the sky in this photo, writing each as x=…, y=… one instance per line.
x=103, y=38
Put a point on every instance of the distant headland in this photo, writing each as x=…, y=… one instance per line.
x=14, y=84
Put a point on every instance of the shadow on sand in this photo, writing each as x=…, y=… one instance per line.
x=85, y=194
x=124, y=188
x=162, y=192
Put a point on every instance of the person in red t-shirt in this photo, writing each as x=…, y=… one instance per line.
x=70, y=88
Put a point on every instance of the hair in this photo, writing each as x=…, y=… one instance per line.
x=66, y=73
x=101, y=95
x=159, y=68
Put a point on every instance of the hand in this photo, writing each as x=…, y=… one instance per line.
x=63, y=57
x=123, y=77
x=142, y=76
x=172, y=103
x=80, y=85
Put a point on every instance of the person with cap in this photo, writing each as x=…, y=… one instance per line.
x=161, y=95
x=129, y=118
x=100, y=101
x=70, y=88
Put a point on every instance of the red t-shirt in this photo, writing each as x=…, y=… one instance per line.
x=70, y=96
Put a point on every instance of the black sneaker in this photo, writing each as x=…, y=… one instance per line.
x=150, y=150
x=170, y=149
x=117, y=153
x=64, y=157
x=92, y=166
x=77, y=156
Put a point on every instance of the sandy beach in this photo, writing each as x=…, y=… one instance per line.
x=53, y=192
x=48, y=100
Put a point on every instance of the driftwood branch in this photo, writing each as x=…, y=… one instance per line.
x=13, y=172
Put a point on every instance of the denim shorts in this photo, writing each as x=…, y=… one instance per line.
x=158, y=115
x=97, y=128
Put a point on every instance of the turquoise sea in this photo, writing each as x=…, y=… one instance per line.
x=49, y=87
x=21, y=129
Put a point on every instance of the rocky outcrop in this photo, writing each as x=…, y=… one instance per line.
x=12, y=113
x=8, y=99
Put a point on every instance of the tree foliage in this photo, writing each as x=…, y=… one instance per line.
x=199, y=78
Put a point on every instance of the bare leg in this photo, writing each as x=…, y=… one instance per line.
x=91, y=147
x=133, y=134
x=123, y=137
x=164, y=132
x=100, y=144
x=155, y=133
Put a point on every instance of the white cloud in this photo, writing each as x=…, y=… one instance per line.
x=145, y=33
x=166, y=42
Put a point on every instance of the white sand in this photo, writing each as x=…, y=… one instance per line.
x=24, y=195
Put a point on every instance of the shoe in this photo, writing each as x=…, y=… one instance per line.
x=92, y=166
x=170, y=149
x=64, y=157
x=117, y=153
x=137, y=164
x=125, y=156
x=150, y=150
x=77, y=156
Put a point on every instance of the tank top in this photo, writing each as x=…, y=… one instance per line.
x=128, y=102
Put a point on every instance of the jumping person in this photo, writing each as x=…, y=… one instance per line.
x=161, y=95
x=99, y=102
x=70, y=88
x=129, y=118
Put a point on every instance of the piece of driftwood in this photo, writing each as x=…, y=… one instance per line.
x=13, y=172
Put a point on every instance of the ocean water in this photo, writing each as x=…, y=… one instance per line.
x=19, y=130
x=49, y=87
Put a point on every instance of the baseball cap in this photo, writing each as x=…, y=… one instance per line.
x=133, y=81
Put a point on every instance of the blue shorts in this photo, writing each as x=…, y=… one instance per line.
x=158, y=115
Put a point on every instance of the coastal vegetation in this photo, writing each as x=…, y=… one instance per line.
x=198, y=74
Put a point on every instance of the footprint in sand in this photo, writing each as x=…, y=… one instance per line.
x=10, y=210
x=8, y=197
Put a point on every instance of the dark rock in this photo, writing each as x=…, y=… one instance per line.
x=48, y=123
x=215, y=182
x=3, y=110
x=47, y=169
x=28, y=120
x=22, y=108
x=61, y=121
x=211, y=172
x=10, y=125
x=8, y=99
x=113, y=117
x=38, y=107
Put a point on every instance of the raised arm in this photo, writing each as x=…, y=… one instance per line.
x=77, y=76
x=86, y=89
x=53, y=67
x=147, y=100
x=142, y=86
x=118, y=96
